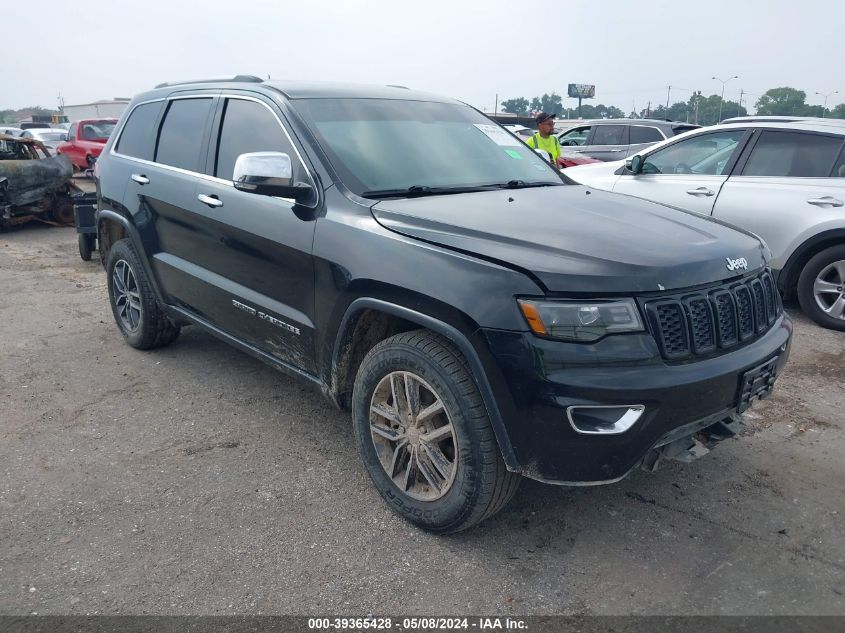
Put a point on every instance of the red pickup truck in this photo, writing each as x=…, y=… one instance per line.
x=85, y=140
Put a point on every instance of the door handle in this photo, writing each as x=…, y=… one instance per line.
x=212, y=201
x=826, y=201
x=614, y=150
x=701, y=191
x=140, y=179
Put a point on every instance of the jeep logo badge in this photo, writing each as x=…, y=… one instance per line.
x=736, y=264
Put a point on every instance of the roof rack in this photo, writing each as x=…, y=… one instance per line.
x=248, y=79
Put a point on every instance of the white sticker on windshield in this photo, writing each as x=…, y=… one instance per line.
x=498, y=135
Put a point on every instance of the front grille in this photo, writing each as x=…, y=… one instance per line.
x=699, y=323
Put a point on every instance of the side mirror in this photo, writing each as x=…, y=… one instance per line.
x=544, y=155
x=269, y=174
x=635, y=164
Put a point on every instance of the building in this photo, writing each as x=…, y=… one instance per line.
x=103, y=109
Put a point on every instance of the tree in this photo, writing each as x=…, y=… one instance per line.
x=782, y=101
x=708, y=110
x=838, y=112
x=517, y=105
x=599, y=111
x=548, y=103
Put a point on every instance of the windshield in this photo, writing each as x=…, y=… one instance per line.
x=383, y=145
x=97, y=130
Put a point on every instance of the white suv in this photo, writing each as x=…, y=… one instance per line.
x=784, y=180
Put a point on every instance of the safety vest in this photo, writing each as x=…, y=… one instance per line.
x=536, y=138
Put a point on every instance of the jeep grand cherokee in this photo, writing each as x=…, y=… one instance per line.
x=422, y=266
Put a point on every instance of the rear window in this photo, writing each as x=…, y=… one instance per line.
x=793, y=155
x=180, y=139
x=97, y=130
x=608, y=135
x=138, y=134
x=644, y=134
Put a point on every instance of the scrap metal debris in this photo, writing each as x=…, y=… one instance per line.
x=34, y=184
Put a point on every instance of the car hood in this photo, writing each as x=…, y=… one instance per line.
x=578, y=239
x=599, y=175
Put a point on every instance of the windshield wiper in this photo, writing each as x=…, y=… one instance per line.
x=522, y=184
x=417, y=191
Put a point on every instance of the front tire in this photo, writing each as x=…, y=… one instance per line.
x=821, y=288
x=424, y=435
x=136, y=311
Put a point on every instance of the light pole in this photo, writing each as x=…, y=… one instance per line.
x=722, y=100
x=824, y=108
x=696, y=97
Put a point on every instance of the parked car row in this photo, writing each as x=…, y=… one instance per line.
x=612, y=139
x=82, y=142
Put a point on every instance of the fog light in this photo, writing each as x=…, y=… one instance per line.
x=603, y=420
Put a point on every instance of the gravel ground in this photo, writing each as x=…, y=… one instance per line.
x=195, y=480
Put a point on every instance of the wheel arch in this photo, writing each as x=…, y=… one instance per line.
x=788, y=275
x=368, y=320
x=113, y=226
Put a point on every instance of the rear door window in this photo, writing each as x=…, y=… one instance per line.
x=608, y=135
x=138, y=135
x=793, y=155
x=644, y=134
x=181, y=135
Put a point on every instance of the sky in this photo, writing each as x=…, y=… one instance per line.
x=468, y=50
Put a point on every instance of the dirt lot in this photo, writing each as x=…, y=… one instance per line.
x=197, y=480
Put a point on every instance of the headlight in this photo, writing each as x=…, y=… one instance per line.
x=582, y=321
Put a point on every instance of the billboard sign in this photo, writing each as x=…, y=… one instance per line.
x=581, y=91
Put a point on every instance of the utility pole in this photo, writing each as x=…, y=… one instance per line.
x=496, y=107
x=739, y=107
x=648, y=110
x=722, y=100
x=668, y=91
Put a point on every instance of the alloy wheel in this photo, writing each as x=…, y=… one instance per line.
x=829, y=289
x=413, y=436
x=127, y=298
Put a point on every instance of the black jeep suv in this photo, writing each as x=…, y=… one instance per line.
x=428, y=271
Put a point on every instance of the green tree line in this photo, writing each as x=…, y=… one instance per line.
x=11, y=117
x=699, y=108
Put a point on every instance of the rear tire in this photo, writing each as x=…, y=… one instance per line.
x=447, y=471
x=821, y=288
x=86, y=246
x=136, y=311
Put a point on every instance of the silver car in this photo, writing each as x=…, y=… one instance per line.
x=51, y=137
x=783, y=180
x=613, y=139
